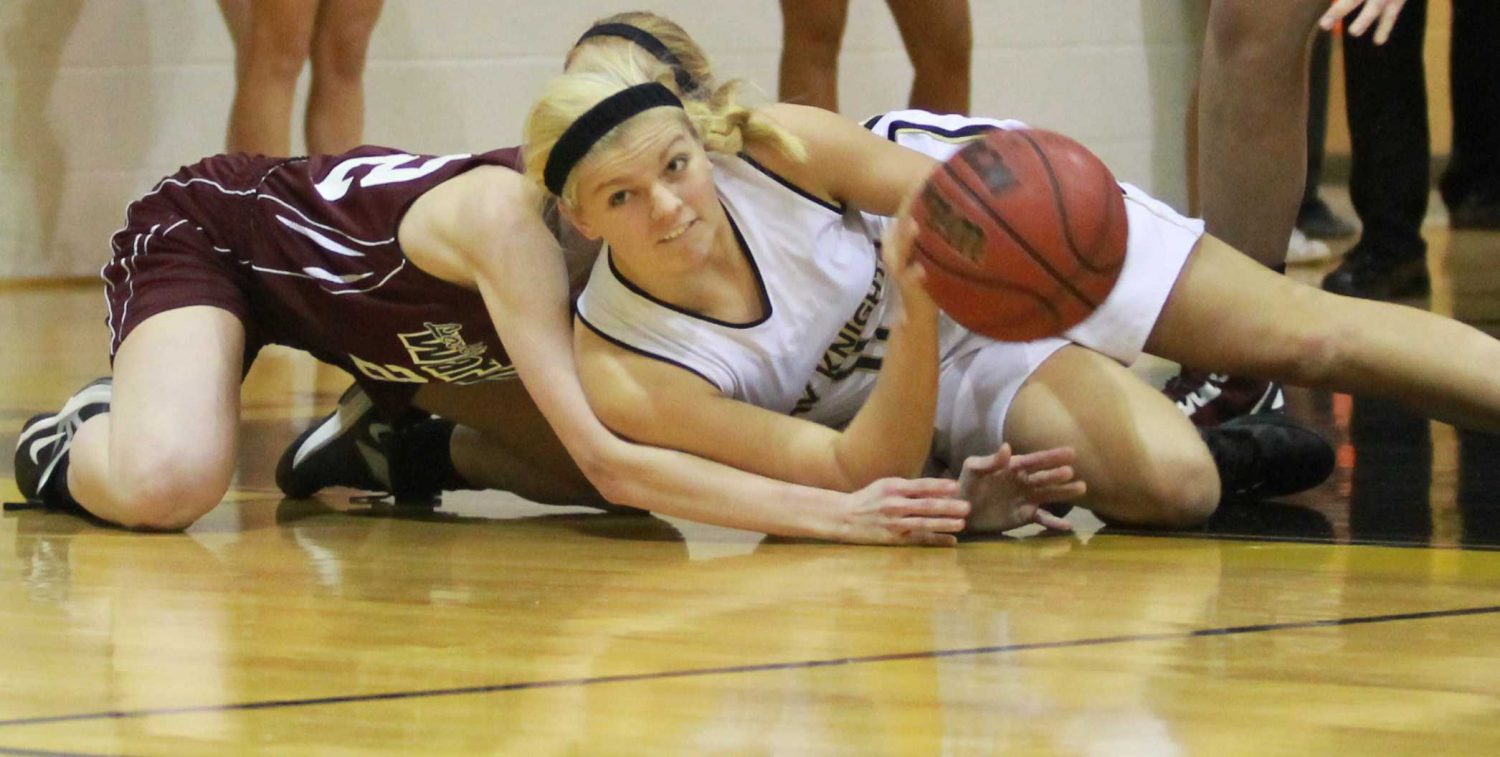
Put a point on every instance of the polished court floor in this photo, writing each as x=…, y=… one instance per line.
x=1363, y=617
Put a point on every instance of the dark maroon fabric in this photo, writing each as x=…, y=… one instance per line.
x=303, y=251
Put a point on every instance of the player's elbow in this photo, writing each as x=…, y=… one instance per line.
x=609, y=470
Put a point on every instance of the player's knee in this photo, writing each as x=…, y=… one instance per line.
x=1180, y=490
x=167, y=495
x=1246, y=34
x=818, y=38
x=280, y=58
x=941, y=62
x=340, y=59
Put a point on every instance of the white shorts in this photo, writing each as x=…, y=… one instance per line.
x=979, y=377
x=1158, y=245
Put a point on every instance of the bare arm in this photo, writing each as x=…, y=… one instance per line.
x=518, y=269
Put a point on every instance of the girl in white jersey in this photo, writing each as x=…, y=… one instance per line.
x=693, y=342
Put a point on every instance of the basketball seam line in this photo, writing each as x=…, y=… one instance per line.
x=1025, y=246
x=1062, y=208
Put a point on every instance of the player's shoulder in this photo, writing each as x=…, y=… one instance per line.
x=483, y=200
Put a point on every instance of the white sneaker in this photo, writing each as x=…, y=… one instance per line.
x=1302, y=251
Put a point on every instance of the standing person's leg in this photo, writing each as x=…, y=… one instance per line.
x=336, y=100
x=1315, y=218
x=939, y=40
x=811, y=33
x=1471, y=185
x=1252, y=121
x=1317, y=117
x=237, y=20
x=1263, y=324
x=1251, y=160
x=1390, y=147
x=260, y=121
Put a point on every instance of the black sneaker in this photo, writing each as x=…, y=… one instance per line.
x=45, y=440
x=1318, y=221
x=1376, y=275
x=1475, y=212
x=1268, y=455
x=1209, y=399
x=346, y=448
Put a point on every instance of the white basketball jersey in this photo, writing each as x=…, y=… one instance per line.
x=815, y=352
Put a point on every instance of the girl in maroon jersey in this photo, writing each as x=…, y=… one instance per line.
x=433, y=280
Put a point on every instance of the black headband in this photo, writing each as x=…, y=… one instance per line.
x=650, y=44
x=580, y=136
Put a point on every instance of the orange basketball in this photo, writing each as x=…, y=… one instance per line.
x=1022, y=234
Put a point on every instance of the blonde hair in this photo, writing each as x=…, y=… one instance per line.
x=694, y=61
x=721, y=124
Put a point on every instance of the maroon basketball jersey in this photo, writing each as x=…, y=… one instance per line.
x=325, y=253
x=316, y=241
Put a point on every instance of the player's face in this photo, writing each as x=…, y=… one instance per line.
x=651, y=191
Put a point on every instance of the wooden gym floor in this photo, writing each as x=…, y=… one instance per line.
x=1362, y=617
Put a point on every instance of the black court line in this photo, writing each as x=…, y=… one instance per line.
x=758, y=668
x=1394, y=542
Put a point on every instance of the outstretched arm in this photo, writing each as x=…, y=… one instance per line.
x=519, y=270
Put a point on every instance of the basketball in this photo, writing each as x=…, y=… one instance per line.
x=1022, y=234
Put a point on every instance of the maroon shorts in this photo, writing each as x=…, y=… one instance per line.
x=164, y=261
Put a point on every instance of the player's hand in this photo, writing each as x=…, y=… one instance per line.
x=903, y=267
x=1380, y=12
x=1007, y=491
x=918, y=511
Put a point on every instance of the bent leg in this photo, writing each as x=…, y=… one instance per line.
x=165, y=453
x=504, y=442
x=811, y=33
x=1252, y=121
x=1228, y=314
x=336, y=99
x=1144, y=463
